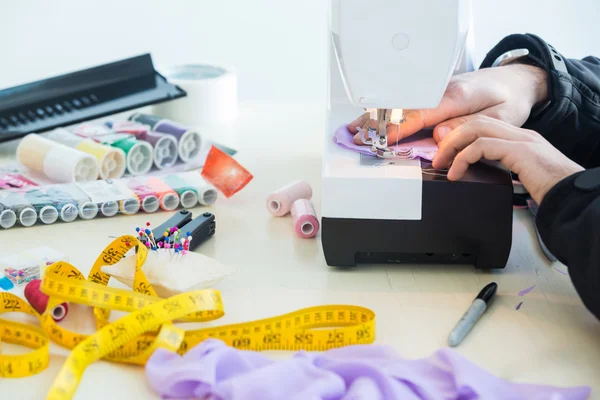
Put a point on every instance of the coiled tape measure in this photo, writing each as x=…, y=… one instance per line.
x=149, y=324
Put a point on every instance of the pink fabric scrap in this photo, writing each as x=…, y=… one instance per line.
x=422, y=143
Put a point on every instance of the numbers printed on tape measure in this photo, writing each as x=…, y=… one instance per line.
x=149, y=325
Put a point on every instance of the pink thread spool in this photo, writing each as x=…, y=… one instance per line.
x=279, y=202
x=305, y=218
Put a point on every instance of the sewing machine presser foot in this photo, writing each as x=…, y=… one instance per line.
x=379, y=145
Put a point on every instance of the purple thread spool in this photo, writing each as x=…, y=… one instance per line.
x=189, y=141
x=165, y=148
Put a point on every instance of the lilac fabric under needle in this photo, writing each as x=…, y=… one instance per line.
x=422, y=143
x=212, y=370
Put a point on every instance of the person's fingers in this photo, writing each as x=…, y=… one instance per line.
x=358, y=122
x=467, y=133
x=461, y=98
x=445, y=127
x=492, y=149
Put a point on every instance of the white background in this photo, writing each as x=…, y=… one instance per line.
x=277, y=46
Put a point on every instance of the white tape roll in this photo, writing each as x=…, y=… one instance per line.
x=211, y=95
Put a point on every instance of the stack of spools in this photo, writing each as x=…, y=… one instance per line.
x=295, y=198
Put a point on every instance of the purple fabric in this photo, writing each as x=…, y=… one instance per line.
x=213, y=370
x=422, y=143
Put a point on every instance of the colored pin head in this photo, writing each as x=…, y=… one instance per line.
x=148, y=224
x=160, y=244
x=188, y=233
x=147, y=231
x=137, y=229
x=141, y=234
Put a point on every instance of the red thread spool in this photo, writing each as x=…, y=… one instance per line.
x=39, y=301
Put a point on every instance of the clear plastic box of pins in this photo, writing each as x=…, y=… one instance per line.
x=25, y=203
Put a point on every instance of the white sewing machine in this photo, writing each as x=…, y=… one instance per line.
x=393, y=55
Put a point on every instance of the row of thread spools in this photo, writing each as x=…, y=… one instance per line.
x=86, y=200
x=106, y=151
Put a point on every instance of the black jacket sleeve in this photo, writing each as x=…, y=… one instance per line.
x=571, y=118
x=568, y=218
x=568, y=221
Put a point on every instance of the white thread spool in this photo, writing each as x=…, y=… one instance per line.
x=130, y=206
x=111, y=160
x=139, y=157
x=189, y=199
x=207, y=194
x=211, y=95
x=27, y=217
x=150, y=204
x=56, y=161
x=8, y=219
x=88, y=210
x=48, y=215
x=109, y=208
x=69, y=212
x=169, y=201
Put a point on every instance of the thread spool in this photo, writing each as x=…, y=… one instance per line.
x=148, y=198
x=279, y=202
x=56, y=161
x=109, y=208
x=130, y=206
x=39, y=301
x=86, y=208
x=139, y=155
x=42, y=202
x=169, y=199
x=306, y=223
x=165, y=148
x=207, y=194
x=111, y=160
x=189, y=142
x=8, y=218
x=64, y=203
x=187, y=193
x=23, y=212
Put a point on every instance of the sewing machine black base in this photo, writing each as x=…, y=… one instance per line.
x=465, y=222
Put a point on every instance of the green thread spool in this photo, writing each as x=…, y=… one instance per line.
x=187, y=193
x=139, y=154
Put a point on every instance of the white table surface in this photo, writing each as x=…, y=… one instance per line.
x=552, y=339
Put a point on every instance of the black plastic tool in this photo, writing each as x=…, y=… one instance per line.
x=177, y=220
x=82, y=96
x=201, y=228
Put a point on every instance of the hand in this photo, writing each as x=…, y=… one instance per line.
x=506, y=93
x=539, y=165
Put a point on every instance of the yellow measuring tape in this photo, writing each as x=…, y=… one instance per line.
x=149, y=324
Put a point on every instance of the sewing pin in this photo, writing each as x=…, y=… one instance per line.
x=150, y=236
